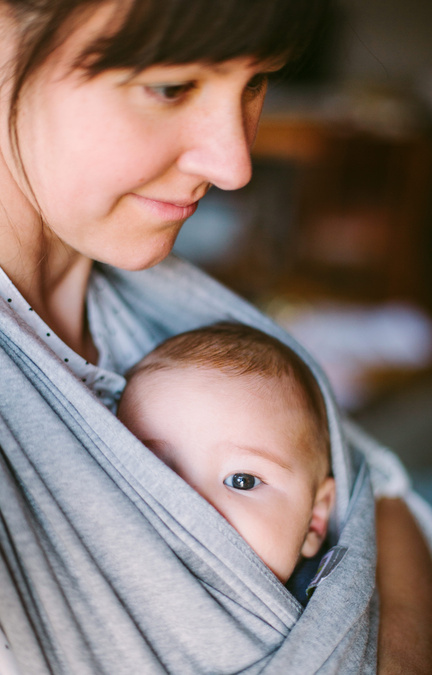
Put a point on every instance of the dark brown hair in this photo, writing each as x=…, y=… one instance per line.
x=236, y=349
x=149, y=32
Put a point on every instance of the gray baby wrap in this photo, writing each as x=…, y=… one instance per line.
x=111, y=564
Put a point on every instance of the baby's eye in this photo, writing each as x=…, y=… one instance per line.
x=242, y=481
x=170, y=92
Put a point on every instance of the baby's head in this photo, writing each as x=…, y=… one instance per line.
x=240, y=417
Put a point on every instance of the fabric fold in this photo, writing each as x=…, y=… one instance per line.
x=111, y=563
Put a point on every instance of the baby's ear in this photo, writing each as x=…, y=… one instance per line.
x=324, y=500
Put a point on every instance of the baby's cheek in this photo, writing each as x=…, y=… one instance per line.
x=254, y=526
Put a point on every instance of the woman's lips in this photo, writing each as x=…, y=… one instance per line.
x=167, y=210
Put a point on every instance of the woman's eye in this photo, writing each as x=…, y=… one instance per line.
x=242, y=481
x=170, y=92
x=257, y=84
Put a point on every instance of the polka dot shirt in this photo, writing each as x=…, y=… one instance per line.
x=118, y=344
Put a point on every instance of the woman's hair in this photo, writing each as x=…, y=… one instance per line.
x=149, y=32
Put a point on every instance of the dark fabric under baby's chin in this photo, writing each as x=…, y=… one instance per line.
x=303, y=574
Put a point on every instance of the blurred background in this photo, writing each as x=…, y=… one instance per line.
x=333, y=236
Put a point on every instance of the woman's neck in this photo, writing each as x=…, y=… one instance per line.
x=53, y=279
x=55, y=287
x=51, y=276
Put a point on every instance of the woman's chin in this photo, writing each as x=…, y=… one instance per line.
x=134, y=259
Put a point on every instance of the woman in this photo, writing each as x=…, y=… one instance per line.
x=116, y=118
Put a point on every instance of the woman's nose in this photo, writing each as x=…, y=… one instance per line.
x=218, y=147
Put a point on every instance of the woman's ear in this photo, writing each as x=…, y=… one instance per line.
x=323, y=504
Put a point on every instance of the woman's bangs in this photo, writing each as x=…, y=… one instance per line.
x=184, y=31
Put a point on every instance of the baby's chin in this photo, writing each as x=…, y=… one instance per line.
x=283, y=574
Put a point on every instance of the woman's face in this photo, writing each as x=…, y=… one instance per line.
x=117, y=163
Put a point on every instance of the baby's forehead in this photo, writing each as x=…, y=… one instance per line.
x=280, y=385
x=275, y=392
x=281, y=388
x=280, y=391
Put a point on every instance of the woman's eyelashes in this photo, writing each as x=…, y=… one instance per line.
x=170, y=93
x=175, y=92
x=257, y=84
x=242, y=481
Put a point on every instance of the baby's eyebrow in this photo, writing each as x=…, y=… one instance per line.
x=266, y=454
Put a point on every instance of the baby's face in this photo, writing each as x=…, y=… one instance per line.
x=245, y=445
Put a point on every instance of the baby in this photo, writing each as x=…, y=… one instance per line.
x=239, y=416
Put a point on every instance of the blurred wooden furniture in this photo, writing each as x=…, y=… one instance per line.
x=291, y=138
x=362, y=210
